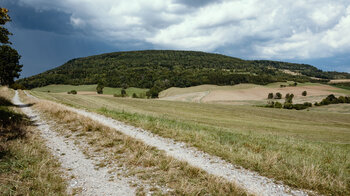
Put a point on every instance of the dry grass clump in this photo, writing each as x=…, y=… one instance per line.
x=147, y=163
x=26, y=167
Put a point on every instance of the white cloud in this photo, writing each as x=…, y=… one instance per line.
x=261, y=29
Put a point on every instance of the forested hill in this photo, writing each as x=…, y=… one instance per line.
x=164, y=68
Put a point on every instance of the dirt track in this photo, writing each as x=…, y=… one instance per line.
x=86, y=177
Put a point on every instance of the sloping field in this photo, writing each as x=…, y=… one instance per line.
x=244, y=93
x=304, y=149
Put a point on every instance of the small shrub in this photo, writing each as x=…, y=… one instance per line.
x=307, y=104
x=134, y=95
x=304, y=93
x=74, y=92
x=153, y=92
x=299, y=106
x=142, y=95
x=278, y=105
x=270, y=96
x=288, y=106
x=270, y=104
x=99, y=89
x=294, y=84
x=123, y=92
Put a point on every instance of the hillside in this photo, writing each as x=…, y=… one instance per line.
x=164, y=69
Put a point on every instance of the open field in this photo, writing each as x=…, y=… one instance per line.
x=304, y=149
x=87, y=89
x=250, y=94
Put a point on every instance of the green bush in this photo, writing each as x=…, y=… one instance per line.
x=299, y=106
x=277, y=105
x=99, y=89
x=134, y=95
x=307, y=104
x=270, y=96
x=288, y=106
x=123, y=93
x=278, y=95
x=304, y=93
x=289, y=98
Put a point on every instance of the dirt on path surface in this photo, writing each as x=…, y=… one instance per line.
x=86, y=179
x=250, y=181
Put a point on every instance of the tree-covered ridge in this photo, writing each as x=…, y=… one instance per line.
x=165, y=68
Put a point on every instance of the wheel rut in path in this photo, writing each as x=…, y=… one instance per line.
x=86, y=177
x=250, y=181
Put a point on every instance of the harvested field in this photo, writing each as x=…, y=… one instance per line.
x=242, y=93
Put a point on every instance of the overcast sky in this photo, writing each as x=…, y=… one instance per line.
x=47, y=33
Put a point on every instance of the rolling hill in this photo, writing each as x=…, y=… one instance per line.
x=164, y=68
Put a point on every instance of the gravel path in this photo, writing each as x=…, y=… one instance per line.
x=251, y=181
x=92, y=181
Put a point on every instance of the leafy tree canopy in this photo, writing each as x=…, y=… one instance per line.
x=9, y=57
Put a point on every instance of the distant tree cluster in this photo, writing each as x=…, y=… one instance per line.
x=73, y=92
x=288, y=104
x=331, y=99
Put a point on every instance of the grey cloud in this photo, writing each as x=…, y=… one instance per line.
x=268, y=29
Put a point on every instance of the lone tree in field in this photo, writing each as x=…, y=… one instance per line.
x=270, y=96
x=9, y=57
x=278, y=96
x=99, y=89
x=304, y=93
x=289, y=98
x=123, y=92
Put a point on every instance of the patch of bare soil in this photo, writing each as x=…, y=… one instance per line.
x=339, y=81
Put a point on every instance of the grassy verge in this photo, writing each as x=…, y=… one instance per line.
x=147, y=163
x=303, y=149
x=26, y=167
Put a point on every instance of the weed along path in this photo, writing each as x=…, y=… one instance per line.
x=252, y=182
x=86, y=177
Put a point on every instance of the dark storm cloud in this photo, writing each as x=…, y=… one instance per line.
x=44, y=20
x=196, y=3
x=251, y=29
